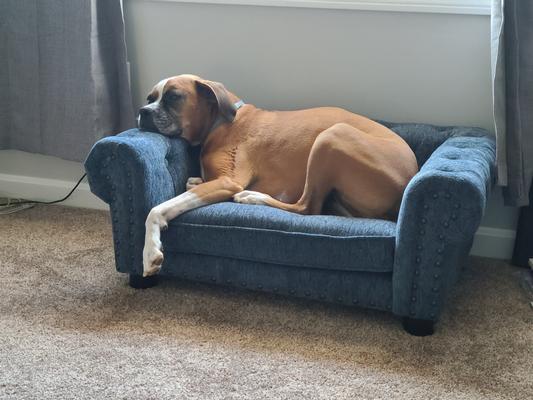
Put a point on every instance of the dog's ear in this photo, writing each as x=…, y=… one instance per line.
x=215, y=93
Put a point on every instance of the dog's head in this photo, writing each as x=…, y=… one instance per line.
x=186, y=106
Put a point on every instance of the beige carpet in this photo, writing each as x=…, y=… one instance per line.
x=71, y=328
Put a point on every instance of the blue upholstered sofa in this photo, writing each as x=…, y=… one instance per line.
x=406, y=267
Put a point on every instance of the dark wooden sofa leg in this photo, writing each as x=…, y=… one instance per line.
x=418, y=327
x=140, y=282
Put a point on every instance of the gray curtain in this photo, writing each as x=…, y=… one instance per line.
x=512, y=73
x=63, y=75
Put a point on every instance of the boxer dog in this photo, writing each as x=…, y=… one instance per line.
x=293, y=160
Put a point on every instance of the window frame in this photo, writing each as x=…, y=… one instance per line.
x=474, y=7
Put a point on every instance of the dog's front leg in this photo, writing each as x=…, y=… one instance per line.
x=214, y=191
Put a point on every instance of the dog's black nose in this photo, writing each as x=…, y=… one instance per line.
x=145, y=112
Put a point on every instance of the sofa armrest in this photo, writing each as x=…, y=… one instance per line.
x=440, y=212
x=133, y=172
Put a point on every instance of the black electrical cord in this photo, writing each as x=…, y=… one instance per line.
x=46, y=202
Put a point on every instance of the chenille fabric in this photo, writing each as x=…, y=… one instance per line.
x=406, y=267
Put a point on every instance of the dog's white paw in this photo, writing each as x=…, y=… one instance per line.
x=193, y=182
x=152, y=258
x=251, y=197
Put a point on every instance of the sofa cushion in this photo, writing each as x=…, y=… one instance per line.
x=266, y=234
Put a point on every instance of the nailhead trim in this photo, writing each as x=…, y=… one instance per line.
x=437, y=263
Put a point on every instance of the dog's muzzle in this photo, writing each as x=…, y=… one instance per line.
x=146, y=120
x=155, y=120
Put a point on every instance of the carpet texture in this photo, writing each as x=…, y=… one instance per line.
x=71, y=328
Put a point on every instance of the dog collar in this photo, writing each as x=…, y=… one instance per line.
x=239, y=104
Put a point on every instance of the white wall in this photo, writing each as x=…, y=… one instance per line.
x=397, y=66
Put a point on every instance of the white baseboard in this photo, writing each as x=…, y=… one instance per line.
x=494, y=243
x=44, y=189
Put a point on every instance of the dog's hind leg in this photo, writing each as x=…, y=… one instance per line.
x=318, y=183
x=368, y=174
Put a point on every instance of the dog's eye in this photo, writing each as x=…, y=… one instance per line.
x=150, y=99
x=171, y=97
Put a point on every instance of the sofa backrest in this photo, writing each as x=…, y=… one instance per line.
x=424, y=139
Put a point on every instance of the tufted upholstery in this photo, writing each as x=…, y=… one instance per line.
x=236, y=230
x=407, y=267
x=440, y=213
